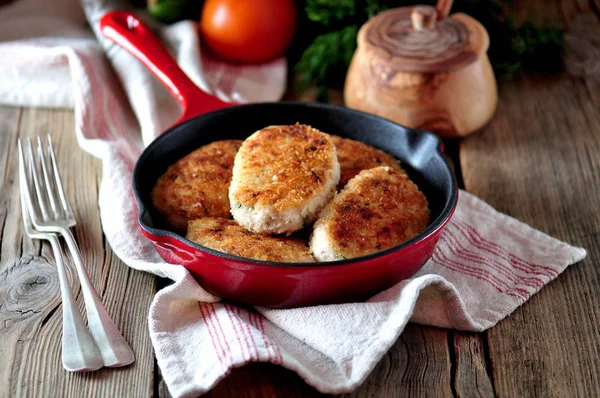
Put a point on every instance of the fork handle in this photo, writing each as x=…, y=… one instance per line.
x=115, y=350
x=79, y=351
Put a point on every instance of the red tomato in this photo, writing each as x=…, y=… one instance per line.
x=248, y=31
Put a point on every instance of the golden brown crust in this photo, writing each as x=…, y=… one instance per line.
x=230, y=237
x=197, y=185
x=378, y=209
x=355, y=156
x=282, y=166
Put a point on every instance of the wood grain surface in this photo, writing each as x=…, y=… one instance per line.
x=30, y=313
x=550, y=344
x=544, y=169
x=538, y=160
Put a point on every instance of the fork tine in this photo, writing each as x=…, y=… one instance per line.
x=49, y=185
x=61, y=191
x=36, y=181
x=24, y=193
x=26, y=202
x=25, y=190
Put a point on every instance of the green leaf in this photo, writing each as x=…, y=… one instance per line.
x=326, y=11
x=328, y=39
x=373, y=7
x=327, y=58
x=167, y=10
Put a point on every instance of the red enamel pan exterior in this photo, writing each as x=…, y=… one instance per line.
x=126, y=30
x=269, y=284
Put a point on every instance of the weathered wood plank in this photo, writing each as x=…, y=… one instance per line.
x=471, y=377
x=418, y=365
x=9, y=202
x=32, y=365
x=28, y=285
x=261, y=380
x=539, y=161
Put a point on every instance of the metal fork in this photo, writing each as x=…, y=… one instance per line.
x=56, y=216
x=79, y=352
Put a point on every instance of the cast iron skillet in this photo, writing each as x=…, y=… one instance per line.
x=272, y=284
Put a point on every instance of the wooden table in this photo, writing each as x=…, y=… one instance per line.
x=538, y=161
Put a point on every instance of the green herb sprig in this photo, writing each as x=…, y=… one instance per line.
x=323, y=49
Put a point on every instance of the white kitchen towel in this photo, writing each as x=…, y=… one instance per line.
x=50, y=26
x=485, y=266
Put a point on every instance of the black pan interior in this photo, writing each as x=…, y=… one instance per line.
x=419, y=152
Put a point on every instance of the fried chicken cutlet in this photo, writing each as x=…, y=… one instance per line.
x=355, y=156
x=282, y=177
x=378, y=209
x=197, y=185
x=229, y=237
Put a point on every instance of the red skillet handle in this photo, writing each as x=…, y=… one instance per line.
x=125, y=29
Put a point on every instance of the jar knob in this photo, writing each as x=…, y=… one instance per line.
x=423, y=17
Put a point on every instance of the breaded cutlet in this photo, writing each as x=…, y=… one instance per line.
x=197, y=185
x=378, y=209
x=229, y=237
x=355, y=156
x=282, y=177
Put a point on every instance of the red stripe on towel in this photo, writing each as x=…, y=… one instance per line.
x=248, y=333
x=235, y=325
x=254, y=321
x=478, y=273
x=221, y=335
x=212, y=337
x=493, y=248
x=278, y=357
x=104, y=105
x=97, y=96
x=461, y=251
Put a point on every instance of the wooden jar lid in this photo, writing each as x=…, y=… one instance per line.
x=419, y=39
